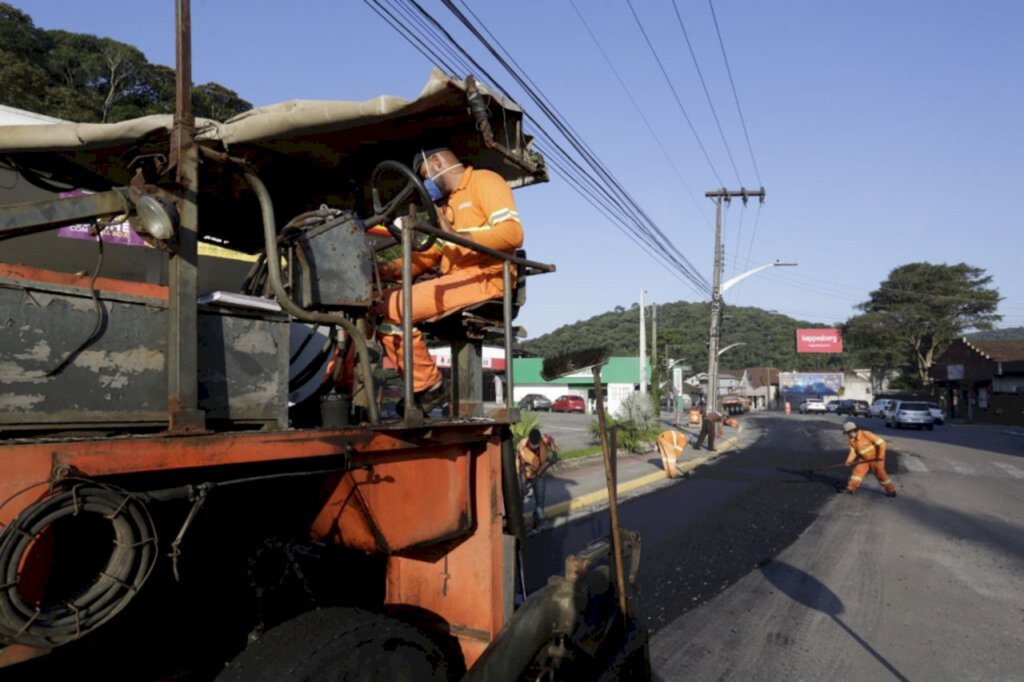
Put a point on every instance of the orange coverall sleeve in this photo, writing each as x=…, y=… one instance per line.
x=494, y=197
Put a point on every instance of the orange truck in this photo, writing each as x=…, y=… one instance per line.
x=192, y=483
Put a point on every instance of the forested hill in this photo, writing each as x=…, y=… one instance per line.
x=89, y=79
x=769, y=338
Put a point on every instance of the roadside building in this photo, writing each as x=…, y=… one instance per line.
x=620, y=378
x=763, y=388
x=981, y=381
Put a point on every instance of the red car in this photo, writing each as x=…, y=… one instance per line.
x=569, y=403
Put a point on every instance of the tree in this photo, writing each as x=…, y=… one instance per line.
x=927, y=306
x=869, y=341
x=217, y=102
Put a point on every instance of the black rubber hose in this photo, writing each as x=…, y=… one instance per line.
x=130, y=563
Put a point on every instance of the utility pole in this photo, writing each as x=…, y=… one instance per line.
x=718, y=196
x=643, y=347
x=655, y=371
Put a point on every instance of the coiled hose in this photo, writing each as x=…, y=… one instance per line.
x=129, y=565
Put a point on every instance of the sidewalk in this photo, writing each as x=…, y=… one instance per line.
x=571, y=489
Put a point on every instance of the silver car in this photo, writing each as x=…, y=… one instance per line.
x=907, y=413
x=937, y=413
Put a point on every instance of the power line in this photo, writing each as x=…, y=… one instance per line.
x=519, y=75
x=582, y=177
x=639, y=110
x=728, y=70
x=707, y=93
x=675, y=94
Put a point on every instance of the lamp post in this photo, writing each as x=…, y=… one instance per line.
x=716, y=314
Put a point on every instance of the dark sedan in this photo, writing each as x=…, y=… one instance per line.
x=535, y=402
x=854, y=408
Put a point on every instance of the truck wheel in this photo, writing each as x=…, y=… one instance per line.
x=341, y=644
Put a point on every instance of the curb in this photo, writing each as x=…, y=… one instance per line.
x=599, y=496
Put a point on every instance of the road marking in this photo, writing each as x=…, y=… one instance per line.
x=962, y=468
x=915, y=464
x=1010, y=469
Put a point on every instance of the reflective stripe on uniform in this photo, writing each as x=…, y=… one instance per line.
x=478, y=228
x=879, y=442
x=387, y=328
x=864, y=451
x=856, y=478
x=501, y=215
x=887, y=481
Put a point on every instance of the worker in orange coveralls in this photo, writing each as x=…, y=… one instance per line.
x=479, y=206
x=670, y=445
x=867, y=453
x=534, y=456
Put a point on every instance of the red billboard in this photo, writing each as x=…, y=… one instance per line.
x=819, y=341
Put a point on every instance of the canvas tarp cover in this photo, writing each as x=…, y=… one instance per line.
x=308, y=152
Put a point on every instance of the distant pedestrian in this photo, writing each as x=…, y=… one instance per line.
x=536, y=453
x=670, y=445
x=867, y=453
x=709, y=420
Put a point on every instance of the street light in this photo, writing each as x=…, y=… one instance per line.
x=731, y=346
x=716, y=313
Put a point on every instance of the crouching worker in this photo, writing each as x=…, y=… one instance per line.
x=867, y=453
x=536, y=453
x=670, y=445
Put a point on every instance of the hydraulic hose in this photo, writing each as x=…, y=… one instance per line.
x=130, y=563
x=276, y=286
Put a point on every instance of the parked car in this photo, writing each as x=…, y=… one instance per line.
x=812, y=405
x=878, y=407
x=535, y=402
x=937, y=414
x=832, y=405
x=854, y=408
x=569, y=403
x=907, y=413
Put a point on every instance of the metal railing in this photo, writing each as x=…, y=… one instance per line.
x=527, y=268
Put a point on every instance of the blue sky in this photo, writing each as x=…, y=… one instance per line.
x=885, y=132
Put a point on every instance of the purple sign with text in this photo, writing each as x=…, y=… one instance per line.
x=114, y=234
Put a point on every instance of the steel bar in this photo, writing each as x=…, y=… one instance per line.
x=613, y=503
x=507, y=314
x=410, y=413
x=38, y=216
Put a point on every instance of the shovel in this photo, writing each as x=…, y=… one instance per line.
x=576, y=362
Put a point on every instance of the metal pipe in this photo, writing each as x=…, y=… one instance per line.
x=17, y=220
x=494, y=253
x=408, y=234
x=506, y=302
x=289, y=306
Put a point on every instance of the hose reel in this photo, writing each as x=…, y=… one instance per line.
x=48, y=620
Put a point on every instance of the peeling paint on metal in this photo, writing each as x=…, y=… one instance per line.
x=39, y=352
x=255, y=340
x=13, y=402
x=131, y=361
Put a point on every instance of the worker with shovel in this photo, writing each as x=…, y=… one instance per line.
x=670, y=446
x=867, y=453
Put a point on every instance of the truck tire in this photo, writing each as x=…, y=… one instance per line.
x=340, y=644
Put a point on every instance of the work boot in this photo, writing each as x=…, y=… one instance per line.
x=890, y=493
x=433, y=397
x=847, y=491
x=428, y=400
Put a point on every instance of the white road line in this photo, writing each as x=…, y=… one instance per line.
x=1010, y=469
x=962, y=468
x=914, y=464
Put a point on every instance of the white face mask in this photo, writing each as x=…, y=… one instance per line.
x=435, y=176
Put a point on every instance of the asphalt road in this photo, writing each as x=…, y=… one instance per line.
x=754, y=569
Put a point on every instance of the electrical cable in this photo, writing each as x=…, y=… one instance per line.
x=637, y=216
x=675, y=94
x=643, y=117
x=98, y=307
x=707, y=93
x=518, y=74
x=125, y=572
x=736, y=96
